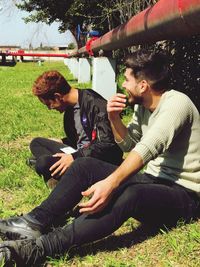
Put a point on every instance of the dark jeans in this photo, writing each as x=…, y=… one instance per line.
x=141, y=196
x=43, y=149
x=40, y=146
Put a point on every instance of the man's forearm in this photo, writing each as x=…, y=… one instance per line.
x=131, y=165
x=119, y=129
x=101, y=191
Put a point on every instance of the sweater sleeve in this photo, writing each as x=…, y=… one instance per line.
x=167, y=122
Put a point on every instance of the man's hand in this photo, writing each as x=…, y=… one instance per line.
x=62, y=164
x=115, y=106
x=101, y=193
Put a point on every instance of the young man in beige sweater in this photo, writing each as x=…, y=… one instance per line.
x=163, y=137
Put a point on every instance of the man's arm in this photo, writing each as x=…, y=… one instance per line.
x=102, y=190
x=114, y=107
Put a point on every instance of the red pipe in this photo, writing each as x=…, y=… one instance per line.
x=166, y=20
x=35, y=54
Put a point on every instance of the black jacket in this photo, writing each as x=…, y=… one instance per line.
x=96, y=125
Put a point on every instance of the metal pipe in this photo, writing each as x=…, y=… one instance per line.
x=21, y=53
x=166, y=20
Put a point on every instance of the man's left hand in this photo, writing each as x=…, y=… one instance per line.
x=62, y=164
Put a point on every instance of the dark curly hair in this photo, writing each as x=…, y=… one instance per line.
x=49, y=83
x=150, y=66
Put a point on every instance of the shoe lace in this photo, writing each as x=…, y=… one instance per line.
x=31, y=251
x=5, y=256
x=22, y=252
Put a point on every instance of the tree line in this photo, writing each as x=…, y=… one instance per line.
x=104, y=15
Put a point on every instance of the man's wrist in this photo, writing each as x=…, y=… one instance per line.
x=114, y=118
x=114, y=181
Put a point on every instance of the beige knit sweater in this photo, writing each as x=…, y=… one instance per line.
x=168, y=140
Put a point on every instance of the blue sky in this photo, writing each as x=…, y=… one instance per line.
x=13, y=31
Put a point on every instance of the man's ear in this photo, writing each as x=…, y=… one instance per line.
x=58, y=96
x=144, y=86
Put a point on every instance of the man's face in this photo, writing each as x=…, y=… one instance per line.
x=132, y=87
x=55, y=103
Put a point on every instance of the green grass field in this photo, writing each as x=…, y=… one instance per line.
x=24, y=117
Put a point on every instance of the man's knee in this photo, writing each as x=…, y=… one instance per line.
x=43, y=164
x=84, y=162
x=34, y=142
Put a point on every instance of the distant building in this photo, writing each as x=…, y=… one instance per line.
x=60, y=47
x=7, y=48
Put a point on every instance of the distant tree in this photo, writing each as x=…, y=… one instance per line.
x=43, y=48
x=103, y=15
x=30, y=47
x=71, y=46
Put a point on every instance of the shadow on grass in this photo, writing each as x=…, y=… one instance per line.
x=113, y=242
x=8, y=64
x=126, y=240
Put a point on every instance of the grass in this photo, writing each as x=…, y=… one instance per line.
x=24, y=117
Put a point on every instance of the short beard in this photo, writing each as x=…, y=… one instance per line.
x=137, y=100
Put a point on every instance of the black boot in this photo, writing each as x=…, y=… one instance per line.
x=32, y=251
x=20, y=228
x=27, y=252
x=31, y=162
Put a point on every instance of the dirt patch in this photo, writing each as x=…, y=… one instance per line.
x=6, y=195
x=17, y=144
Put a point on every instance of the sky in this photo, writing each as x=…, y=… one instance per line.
x=13, y=30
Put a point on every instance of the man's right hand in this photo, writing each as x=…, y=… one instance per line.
x=100, y=194
x=115, y=106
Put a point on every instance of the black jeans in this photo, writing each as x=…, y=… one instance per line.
x=40, y=146
x=43, y=149
x=141, y=196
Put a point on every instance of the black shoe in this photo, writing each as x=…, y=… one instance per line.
x=20, y=228
x=31, y=162
x=27, y=252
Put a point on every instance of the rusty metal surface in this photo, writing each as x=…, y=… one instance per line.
x=166, y=20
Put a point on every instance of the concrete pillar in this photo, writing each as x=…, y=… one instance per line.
x=14, y=59
x=67, y=62
x=84, y=70
x=103, y=80
x=73, y=66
